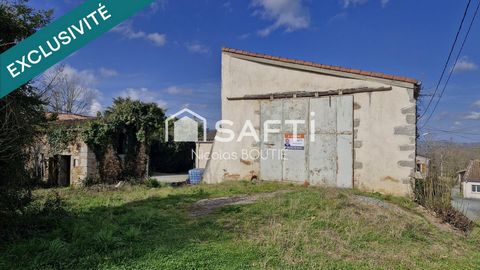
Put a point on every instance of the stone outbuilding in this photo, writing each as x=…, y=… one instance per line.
x=69, y=167
x=358, y=131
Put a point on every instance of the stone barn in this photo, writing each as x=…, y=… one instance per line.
x=69, y=167
x=325, y=125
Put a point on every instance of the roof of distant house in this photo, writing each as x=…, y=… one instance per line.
x=328, y=67
x=211, y=135
x=473, y=171
x=69, y=117
x=422, y=157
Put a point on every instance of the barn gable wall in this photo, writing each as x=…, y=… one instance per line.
x=384, y=123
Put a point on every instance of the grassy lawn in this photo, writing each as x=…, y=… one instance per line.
x=150, y=228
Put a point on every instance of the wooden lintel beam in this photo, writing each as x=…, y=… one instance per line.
x=302, y=94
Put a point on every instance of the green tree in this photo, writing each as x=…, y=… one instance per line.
x=21, y=112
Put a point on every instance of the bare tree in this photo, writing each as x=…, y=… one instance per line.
x=65, y=91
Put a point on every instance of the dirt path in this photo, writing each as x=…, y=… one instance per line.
x=208, y=206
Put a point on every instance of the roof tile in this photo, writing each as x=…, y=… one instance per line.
x=336, y=68
x=473, y=171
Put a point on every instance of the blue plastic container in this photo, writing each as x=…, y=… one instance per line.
x=195, y=176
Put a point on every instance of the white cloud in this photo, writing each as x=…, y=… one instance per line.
x=95, y=107
x=126, y=30
x=352, y=3
x=156, y=5
x=244, y=36
x=338, y=17
x=106, y=72
x=457, y=123
x=476, y=104
x=228, y=6
x=175, y=90
x=473, y=116
x=145, y=95
x=443, y=115
x=196, y=47
x=86, y=77
x=288, y=14
x=157, y=39
x=465, y=64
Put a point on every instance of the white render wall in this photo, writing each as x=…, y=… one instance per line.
x=202, y=151
x=384, y=122
x=467, y=190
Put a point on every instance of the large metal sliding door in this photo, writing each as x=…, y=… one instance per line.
x=294, y=162
x=327, y=158
x=331, y=152
x=271, y=165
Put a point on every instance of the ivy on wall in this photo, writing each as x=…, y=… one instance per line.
x=136, y=121
x=129, y=127
x=60, y=137
x=122, y=139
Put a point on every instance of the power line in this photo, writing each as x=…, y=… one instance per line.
x=454, y=132
x=454, y=65
x=460, y=128
x=455, y=135
x=448, y=58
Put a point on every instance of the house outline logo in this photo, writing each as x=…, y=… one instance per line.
x=186, y=120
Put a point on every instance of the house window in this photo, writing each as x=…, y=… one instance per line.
x=476, y=188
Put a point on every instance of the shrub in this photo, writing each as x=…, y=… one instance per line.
x=53, y=205
x=91, y=181
x=434, y=193
x=36, y=218
x=13, y=199
x=152, y=182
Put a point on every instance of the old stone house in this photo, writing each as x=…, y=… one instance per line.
x=71, y=161
x=359, y=127
x=72, y=165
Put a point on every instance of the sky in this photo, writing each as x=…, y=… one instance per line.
x=170, y=52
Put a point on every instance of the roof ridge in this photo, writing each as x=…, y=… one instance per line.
x=473, y=173
x=329, y=67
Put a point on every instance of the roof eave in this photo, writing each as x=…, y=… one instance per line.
x=334, y=70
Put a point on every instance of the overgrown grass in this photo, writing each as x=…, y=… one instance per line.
x=149, y=228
